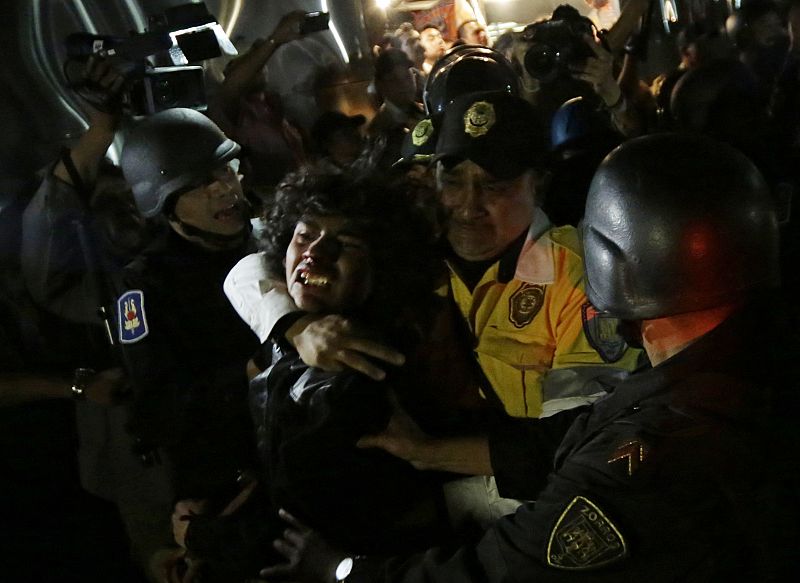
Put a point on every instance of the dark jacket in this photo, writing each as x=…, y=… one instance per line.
x=686, y=472
x=307, y=423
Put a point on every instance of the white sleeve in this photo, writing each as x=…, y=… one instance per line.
x=258, y=300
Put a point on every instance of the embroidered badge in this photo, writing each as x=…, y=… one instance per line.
x=525, y=303
x=601, y=332
x=632, y=453
x=131, y=319
x=584, y=538
x=479, y=119
x=422, y=132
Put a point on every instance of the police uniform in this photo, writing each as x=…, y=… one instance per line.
x=538, y=340
x=186, y=351
x=678, y=475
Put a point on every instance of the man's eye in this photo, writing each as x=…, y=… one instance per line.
x=303, y=237
x=496, y=186
x=356, y=244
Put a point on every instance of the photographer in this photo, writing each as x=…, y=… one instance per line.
x=565, y=57
x=184, y=348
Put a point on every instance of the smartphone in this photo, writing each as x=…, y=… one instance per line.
x=314, y=22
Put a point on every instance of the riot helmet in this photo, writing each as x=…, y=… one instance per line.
x=467, y=69
x=677, y=223
x=171, y=152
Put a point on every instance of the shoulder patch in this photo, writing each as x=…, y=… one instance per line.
x=584, y=538
x=601, y=332
x=131, y=318
x=525, y=303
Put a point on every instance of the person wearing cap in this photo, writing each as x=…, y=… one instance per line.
x=687, y=471
x=338, y=138
x=182, y=345
x=396, y=84
x=541, y=347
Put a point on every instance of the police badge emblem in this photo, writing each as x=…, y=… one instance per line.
x=525, y=303
x=602, y=334
x=584, y=538
x=131, y=319
x=422, y=132
x=479, y=119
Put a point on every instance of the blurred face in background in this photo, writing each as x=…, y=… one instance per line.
x=433, y=43
x=474, y=33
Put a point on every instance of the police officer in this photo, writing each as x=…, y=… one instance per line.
x=517, y=284
x=183, y=346
x=681, y=474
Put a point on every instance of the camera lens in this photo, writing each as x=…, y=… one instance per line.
x=541, y=61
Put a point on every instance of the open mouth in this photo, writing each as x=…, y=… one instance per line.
x=314, y=279
x=228, y=213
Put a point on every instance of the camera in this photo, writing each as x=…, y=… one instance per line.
x=314, y=22
x=555, y=45
x=183, y=34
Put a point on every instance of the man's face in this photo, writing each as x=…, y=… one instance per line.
x=768, y=30
x=474, y=34
x=215, y=207
x=484, y=215
x=399, y=86
x=328, y=266
x=344, y=146
x=433, y=43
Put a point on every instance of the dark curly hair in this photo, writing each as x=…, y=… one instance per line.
x=406, y=263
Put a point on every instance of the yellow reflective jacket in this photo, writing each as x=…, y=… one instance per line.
x=536, y=335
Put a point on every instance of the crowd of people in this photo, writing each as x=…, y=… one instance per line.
x=531, y=321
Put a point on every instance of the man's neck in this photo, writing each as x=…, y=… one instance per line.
x=663, y=338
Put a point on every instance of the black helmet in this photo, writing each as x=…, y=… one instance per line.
x=676, y=223
x=467, y=69
x=170, y=152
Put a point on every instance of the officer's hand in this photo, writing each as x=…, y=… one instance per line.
x=182, y=514
x=310, y=558
x=598, y=72
x=332, y=343
x=402, y=438
x=288, y=28
x=106, y=386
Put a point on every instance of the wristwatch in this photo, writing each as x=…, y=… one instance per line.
x=80, y=379
x=344, y=568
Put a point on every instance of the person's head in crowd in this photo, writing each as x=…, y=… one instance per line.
x=490, y=154
x=717, y=230
x=181, y=166
x=505, y=45
x=698, y=43
x=387, y=41
x=473, y=32
x=409, y=39
x=430, y=37
x=338, y=137
x=395, y=80
x=760, y=34
x=351, y=243
x=720, y=99
x=466, y=69
x=580, y=137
